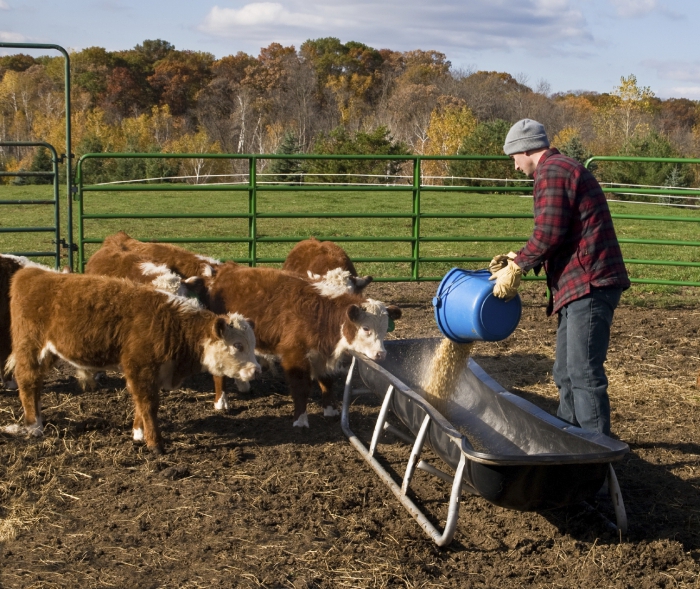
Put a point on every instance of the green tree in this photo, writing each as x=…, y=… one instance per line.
x=287, y=170
x=646, y=173
x=41, y=162
x=340, y=141
x=487, y=139
x=575, y=148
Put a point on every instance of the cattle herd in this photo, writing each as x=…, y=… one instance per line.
x=160, y=313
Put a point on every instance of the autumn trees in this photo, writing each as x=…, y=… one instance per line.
x=325, y=95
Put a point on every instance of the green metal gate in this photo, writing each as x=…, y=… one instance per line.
x=53, y=202
x=417, y=237
x=64, y=158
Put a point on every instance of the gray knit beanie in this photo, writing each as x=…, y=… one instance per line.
x=525, y=135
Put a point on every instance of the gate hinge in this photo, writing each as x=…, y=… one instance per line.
x=72, y=247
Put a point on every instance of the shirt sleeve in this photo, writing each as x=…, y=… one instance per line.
x=553, y=193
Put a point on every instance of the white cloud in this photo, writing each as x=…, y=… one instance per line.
x=541, y=26
x=8, y=37
x=4, y=5
x=692, y=92
x=679, y=71
x=632, y=8
x=260, y=15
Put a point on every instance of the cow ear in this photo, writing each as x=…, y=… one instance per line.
x=195, y=285
x=220, y=327
x=361, y=282
x=394, y=312
x=354, y=313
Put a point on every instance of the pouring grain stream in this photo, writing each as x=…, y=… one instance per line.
x=446, y=367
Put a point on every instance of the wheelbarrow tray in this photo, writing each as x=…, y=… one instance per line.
x=517, y=455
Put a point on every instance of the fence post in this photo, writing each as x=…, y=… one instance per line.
x=415, y=270
x=252, y=210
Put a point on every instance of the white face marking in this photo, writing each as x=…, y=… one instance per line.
x=333, y=283
x=371, y=330
x=27, y=263
x=151, y=269
x=234, y=354
x=183, y=303
x=168, y=282
x=303, y=421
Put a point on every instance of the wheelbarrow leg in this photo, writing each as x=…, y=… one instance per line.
x=616, y=497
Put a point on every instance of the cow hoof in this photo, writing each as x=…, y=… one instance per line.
x=157, y=450
x=330, y=412
x=11, y=385
x=302, y=421
x=221, y=404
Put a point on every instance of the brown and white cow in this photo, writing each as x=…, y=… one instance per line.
x=328, y=265
x=120, y=263
x=309, y=332
x=175, y=258
x=9, y=264
x=99, y=322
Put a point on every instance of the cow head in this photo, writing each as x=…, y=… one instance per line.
x=231, y=349
x=368, y=326
x=338, y=282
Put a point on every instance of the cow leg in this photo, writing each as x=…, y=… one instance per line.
x=327, y=398
x=144, y=392
x=299, y=383
x=29, y=374
x=220, y=399
x=137, y=430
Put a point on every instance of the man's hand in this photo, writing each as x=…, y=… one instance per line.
x=507, y=281
x=500, y=261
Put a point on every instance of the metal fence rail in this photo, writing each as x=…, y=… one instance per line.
x=54, y=202
x=416, y=237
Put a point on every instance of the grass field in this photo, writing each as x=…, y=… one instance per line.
x=484, y=231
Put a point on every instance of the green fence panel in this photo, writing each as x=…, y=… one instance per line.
x=418, y=215
x=53, y=202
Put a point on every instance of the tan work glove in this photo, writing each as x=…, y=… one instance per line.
x=501, y=261
x=507, y=281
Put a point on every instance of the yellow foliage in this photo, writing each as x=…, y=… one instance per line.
x=448, y=127
x=564, y=136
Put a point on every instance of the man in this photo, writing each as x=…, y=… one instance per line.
x=574, y=240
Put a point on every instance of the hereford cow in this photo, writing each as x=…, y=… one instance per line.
x=9, y=264
x=120, y=263
x=327, y=263
x=309, y=332
x=177, y=259
x=99, y=322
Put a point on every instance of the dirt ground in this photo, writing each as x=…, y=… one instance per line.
x=243, y=499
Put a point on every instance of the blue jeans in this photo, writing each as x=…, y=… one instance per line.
x=583, y=336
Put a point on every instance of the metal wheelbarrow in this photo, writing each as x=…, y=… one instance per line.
x=499, y=446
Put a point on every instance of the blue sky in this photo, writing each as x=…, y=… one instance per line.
x=570, y=44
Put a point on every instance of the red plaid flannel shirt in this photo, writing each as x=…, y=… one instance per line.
x=574, y=238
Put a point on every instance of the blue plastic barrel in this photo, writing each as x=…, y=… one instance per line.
x=466, y=310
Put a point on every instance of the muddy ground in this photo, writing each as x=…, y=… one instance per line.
x=245, y=500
